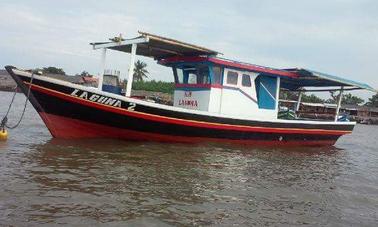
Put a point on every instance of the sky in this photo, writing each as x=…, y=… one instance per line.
x=339, y=37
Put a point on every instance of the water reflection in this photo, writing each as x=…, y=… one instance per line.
x=178, y=184
x=115, y=183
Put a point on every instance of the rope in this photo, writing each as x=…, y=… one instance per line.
x=5, y=118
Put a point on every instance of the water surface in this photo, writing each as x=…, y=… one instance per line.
x=45, y=181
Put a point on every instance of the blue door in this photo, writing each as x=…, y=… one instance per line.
x=266, y=88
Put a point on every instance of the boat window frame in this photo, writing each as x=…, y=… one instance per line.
x=244, y=75
x=195, y=71
x=260, y=99
x=176, y=75
x=216, y=80
x=200, y=74
x=192, y=78
x=237, y=77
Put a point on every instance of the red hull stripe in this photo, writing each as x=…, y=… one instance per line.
x=177, y=121
x=68, y=128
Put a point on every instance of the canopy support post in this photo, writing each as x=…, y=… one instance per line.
x=299, y=100
x=131, y=70
x=101, y=76
x=278, y=94
x=339, y=98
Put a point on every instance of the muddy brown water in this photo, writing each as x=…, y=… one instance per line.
x=46, y=181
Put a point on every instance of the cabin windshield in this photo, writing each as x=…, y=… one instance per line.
x=192, y=74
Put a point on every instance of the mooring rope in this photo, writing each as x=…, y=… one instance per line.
x=4, y=121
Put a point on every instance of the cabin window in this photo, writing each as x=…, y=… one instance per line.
x=246, y=81
x=179, y=77
x=217, y=75
x=192, y=78
x=203, y=74
x=232, y=78
x=192, y=74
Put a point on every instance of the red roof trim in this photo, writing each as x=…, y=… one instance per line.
x=229, y=63
x=193, y=86
x=254, y=68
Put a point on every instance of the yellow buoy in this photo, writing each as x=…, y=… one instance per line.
x=3, y=134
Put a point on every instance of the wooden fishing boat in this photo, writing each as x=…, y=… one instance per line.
x=215, y=99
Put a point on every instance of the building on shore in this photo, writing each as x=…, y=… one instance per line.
x=363, y=114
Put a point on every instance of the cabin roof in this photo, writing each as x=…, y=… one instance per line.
x=228, y=63
x=170, y=51
x=291, y=79
x=154, y=46
x=311, y=78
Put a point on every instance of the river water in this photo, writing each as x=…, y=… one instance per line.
x=46, y=181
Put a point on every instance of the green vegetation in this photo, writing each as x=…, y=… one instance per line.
x=84, y=73
x=348, y=99
x=55, y=70
x=158, y=86
x=140, y=71
x=311, y=98
x=292, y=95
x=51, y=69
x=153, y=85
x=288, y=95
x=373, y=101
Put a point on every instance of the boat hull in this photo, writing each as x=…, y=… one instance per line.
x=71, y=111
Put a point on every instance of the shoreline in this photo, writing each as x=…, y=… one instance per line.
x=8, y=89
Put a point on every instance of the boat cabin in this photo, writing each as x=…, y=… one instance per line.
x=206, y=82
x=210, y=84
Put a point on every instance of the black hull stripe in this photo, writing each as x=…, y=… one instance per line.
x=81, y=112
x=188, y=122
x=203, y=118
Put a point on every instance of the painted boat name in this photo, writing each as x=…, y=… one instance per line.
x=192, y=103
x=96, y=98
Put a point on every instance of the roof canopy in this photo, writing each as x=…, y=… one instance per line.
x=310, y=78
x=168, y=50
x=154, y=46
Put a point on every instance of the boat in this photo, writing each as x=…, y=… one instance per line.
x=215, y=100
